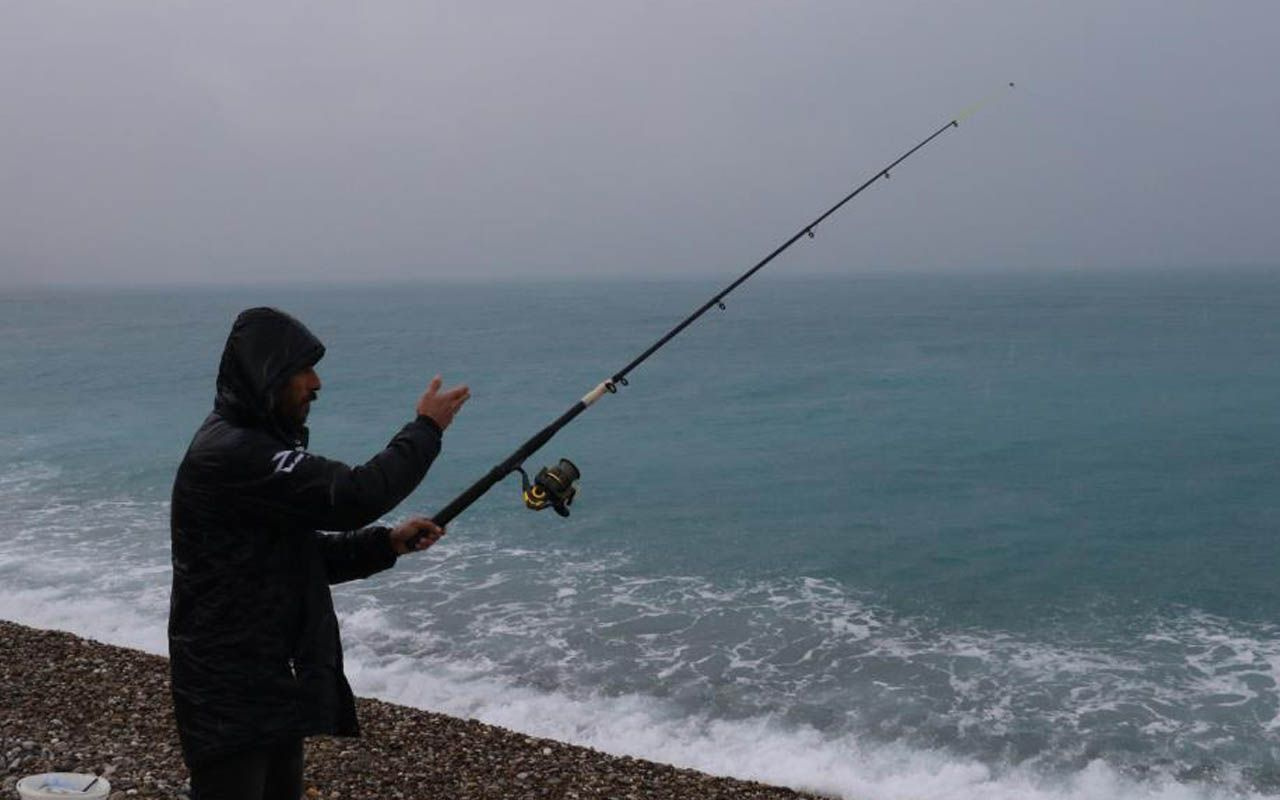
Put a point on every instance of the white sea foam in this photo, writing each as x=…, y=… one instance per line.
x=21, y=477
x=78, y=610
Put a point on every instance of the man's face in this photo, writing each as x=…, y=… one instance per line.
x=293, y=401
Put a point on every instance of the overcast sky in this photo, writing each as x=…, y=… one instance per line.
x=242, y=141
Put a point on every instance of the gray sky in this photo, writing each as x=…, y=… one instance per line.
x=243, y=141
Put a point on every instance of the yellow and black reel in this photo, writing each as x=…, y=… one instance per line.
x=553, y=487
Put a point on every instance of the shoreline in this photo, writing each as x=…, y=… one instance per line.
x=74, y=704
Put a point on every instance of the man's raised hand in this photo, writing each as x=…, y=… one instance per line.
x=440, y=406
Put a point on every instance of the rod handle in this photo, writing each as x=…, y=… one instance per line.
x=460, y=503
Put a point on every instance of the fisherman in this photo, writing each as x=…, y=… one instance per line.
x=255, y=656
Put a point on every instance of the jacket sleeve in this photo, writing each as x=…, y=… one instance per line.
x=324, y=494
x=356, y=554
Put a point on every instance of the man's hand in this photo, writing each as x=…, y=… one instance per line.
x=441, y=406
x=402, y=533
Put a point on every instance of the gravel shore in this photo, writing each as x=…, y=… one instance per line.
x=75, y=705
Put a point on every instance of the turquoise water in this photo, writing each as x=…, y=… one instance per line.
x=887, y=536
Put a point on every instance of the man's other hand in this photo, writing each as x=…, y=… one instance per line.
x=441, y=406
x=402, y=533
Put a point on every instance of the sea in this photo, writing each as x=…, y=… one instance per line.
x=896, y=535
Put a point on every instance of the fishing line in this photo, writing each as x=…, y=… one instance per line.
x=555, y=486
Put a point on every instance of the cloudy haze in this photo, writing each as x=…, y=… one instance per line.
x=243, y=141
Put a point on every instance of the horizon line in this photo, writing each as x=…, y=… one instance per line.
x=312, y=282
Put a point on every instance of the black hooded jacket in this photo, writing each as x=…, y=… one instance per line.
x=253, y=639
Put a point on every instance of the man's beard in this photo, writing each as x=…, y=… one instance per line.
x=295, y=418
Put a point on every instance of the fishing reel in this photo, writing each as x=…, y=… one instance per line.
x=552, y=487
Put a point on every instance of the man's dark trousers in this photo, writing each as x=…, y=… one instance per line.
x=268, y=773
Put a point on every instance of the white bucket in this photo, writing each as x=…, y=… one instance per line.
x=62, y=785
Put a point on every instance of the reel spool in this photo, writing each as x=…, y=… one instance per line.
x=553, y=487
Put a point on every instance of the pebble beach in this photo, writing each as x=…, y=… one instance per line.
x=69, y=704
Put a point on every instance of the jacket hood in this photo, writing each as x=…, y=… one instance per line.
x=264, y=348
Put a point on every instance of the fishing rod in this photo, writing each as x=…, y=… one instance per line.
x=555, y=486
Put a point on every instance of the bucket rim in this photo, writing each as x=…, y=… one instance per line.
x=36, y=786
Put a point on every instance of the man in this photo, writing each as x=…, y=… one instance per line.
x=255, y=656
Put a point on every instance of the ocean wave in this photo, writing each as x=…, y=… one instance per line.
x=762, y=748
x=759, y=748
x=795, y=681
x=1183, y=691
